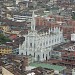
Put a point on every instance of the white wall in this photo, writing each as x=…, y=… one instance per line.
x=6, y=72
x=72, y=37
x=73, y=71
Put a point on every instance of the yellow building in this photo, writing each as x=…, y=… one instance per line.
x=6, y=28
x=5, y=50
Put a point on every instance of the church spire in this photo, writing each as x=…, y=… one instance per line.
x=33, y=22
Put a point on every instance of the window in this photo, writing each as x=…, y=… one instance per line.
x=55, y=40
x=49, y=42
x=73, y=57
x=29, y=54
x=52, y=52
x=21, y=53
x=46, y=56
x=49, y=53
x=57, y=52
x=52, y=41
x=23, y=47
x=57, y=57
x=30, y=44
x=34, y=54
x=26, y=44
x=26, y=52
x=43, y=55
x=60, y=39
x=34, y=45
x=46, y=42
x=40, y=44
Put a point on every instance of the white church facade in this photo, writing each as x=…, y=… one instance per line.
x=40, y=45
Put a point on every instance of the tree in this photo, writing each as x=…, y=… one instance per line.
x=4, y=39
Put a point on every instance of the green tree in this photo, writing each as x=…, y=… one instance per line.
x=4, y=39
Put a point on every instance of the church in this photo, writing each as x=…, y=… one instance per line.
x=39, y=45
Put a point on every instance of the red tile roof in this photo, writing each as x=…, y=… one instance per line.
x=13, y=36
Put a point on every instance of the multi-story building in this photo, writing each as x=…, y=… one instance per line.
x=22, y=18
x=9, y=2
x=15, y=51
x=68, y=58
x=17, y=1
x=73, y=71
x=53, y=2
x=5, y=28
x=39, y=43
x=5, y=50
x=55, y=55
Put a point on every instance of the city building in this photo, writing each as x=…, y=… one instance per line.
x=52, y=2
x=68, y=57
x=9, y=3
x=67, y=54
x=73, y=37
x=39, y=43
x=5, y=50
x=22, y=18
x=15, y=51
x=5, y=28
x=55, y=55
x=17, y=1
x=34, y=71
x=73, y=71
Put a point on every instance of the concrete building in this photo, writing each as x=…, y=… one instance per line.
x=68, y=57
x=21, y=18
x=5, y=50
x=73, y=37
x=55, y=55
x=53, y=1
x=39, y=44
x=17, y=1
x=5, y=28
x=73, y=71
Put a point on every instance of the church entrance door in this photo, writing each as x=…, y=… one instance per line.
x=38, y=58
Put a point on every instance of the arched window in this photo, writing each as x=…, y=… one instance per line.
x=26, y=52
x=46, y=42
x=30, y=44
x=49, y=53
x=60, y=39
x=52, y=41
x=55, y=40
x=46, y=56
x=29, y=54
x=34, y=54
x=38, y=58
x=21, y=53
x=49, y=42
x=43, y=55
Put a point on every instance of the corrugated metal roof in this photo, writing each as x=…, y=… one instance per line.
x=49, y=66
